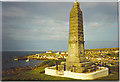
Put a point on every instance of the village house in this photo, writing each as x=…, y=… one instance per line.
x=57, y=53
x=63, y=53
x=66, y=52
x=49, y=51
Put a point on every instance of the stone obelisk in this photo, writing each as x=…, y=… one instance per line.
x=76, y=36
x=76, y=66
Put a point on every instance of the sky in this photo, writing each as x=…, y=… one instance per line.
x=45, y=25
x=62, y=0
x=0, y=27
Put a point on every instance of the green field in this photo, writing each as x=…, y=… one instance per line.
x=38, y=73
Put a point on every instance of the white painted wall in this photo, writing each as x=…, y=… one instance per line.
x=87, y=76
x=83, y=76
x=49, y=71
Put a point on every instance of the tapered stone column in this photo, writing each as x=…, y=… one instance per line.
x=76, y=36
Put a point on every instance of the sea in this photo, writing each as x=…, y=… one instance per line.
x=9, y=62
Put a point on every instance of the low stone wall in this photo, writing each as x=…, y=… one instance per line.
x=50, y=71
x=87, y=76
x=84, y=76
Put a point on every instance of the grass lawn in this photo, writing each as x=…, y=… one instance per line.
x=34, y=75
x=38, y=74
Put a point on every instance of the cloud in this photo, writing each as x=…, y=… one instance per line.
x=52, y=30
x=86, y=5
x=0, y=26
x=63, y=0
x=44, y=21
x=15, y=11
x=92, y=25
x=38, y=34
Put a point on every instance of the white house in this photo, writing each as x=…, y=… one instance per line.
x=57, y=53
x=49, y=51
x=62, y=52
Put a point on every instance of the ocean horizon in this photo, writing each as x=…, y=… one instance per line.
x=9, y=62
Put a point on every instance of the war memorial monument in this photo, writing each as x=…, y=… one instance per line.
x=76, y=65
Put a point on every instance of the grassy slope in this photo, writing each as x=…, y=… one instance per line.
x=34, y=75
x=38, y=74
